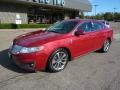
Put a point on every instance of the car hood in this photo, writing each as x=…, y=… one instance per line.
x=37, y=38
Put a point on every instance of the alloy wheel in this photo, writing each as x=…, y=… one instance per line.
x=59, y=60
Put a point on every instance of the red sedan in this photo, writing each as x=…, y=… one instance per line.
x=60, y=43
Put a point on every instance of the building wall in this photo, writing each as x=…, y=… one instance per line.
x=8, y=13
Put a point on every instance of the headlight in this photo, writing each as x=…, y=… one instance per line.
x=31, y=50
x=19, y=49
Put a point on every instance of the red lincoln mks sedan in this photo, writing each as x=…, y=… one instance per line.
x=61, y=42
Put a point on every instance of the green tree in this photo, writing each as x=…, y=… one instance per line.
x=117, y=16
x=99, y=16
x=108, y=16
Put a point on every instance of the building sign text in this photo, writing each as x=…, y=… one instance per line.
x=55, y=2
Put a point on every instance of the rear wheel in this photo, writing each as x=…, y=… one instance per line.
x=58, y=60
x=106, y=46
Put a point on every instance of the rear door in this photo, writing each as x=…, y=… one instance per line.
x=98, y=34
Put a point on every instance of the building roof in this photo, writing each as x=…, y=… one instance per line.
x=81, y=5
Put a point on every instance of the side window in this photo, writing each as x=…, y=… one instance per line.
x=85, y=27
x=97, y=26
x=68, y=26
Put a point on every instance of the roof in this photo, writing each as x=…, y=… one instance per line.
x=81, y=5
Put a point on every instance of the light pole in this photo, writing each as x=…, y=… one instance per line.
x=114, y=12
x=95, y=8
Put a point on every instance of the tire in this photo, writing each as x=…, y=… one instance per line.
x=106, y=46
x=58, y=60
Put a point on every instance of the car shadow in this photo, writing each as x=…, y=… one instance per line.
x=8, y=63
x=98, y=51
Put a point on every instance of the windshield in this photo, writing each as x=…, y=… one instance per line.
x=62, y=27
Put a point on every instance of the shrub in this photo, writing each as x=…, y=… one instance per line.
x=5, y=26
x=15, y=26
x=33, y=25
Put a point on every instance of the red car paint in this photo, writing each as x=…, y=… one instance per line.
x=76, y=45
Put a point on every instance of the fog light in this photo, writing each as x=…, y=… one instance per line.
x=30, y=66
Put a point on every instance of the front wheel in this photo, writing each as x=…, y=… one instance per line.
x=58, y=60
x=106, y=46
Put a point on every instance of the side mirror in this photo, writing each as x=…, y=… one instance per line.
x=79, y=32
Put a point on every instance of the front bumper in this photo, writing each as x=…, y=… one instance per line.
x=30, y=62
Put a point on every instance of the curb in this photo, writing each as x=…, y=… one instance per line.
x=34, y=29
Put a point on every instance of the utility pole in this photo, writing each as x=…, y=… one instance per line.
x=95, y=8
x=114, y=12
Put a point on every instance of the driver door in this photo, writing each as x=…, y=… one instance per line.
x=83, y=43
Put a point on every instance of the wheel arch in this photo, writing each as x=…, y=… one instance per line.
x=68, y=52
x=109, y=39
x=70, y=56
